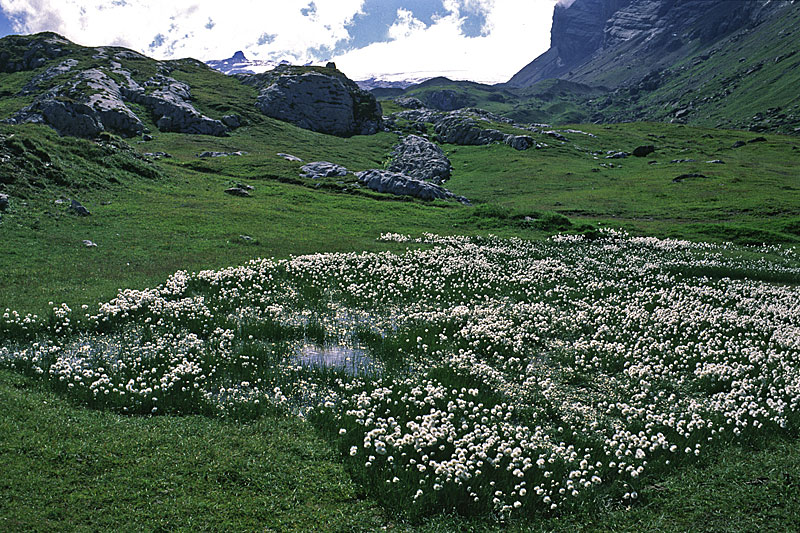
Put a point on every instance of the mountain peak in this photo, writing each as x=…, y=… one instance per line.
x=239, y=56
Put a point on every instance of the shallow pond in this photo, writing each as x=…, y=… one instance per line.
x=351, y=360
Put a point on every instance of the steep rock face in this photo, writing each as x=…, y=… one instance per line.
x=577, y=33
x=317, y=99
x=597, y=41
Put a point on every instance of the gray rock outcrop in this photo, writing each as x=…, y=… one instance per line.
x=385, y=181
x=321, y=100
x=90, y=103
x=464, y=130
x=421, y=159
x=520, y=142
x=463, y=127
x=237, y=191
x=220, y=154
x=409, y=102
x=168, y=101
x=322, y=169
x=34, y=51
x=35, y=84
x=232, y=121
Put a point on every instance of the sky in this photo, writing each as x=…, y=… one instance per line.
x=479, y=40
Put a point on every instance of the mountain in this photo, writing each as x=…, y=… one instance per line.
x=722, y=63
x=603, y=42
x=239, y=64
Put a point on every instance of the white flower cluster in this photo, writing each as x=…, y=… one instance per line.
x=510, y=376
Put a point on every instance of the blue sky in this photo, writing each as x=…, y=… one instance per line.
x=482, y=40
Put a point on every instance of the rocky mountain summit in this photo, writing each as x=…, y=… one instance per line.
x=238, y=63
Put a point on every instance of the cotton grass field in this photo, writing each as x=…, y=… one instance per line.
x=499, y=378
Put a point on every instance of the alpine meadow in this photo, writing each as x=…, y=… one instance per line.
x=244, y=298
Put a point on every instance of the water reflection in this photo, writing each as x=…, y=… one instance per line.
x=351, y=360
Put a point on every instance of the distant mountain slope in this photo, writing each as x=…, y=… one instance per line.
x=726, y=63
x=606, y=42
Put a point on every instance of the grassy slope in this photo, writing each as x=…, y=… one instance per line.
x=719, y=89
x=756, y=188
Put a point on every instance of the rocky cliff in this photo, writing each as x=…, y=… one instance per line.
x=606, y=42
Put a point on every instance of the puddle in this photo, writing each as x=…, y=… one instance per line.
x=351, y=360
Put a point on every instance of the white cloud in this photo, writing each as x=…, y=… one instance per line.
x=237, y=24
x=516, y=32
x=512, y=32
x=405, y=25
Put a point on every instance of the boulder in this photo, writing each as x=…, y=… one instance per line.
x=716, y=162
x=556, y=135
x=462, y=127
x=739, y=144
x=520, y=142
x=78, y=209
x=409, y=102
x=644, y=150
x=322, y=169
x=3, y=202
x=316, y=99
x=290, y=157
x=421, y=159
x=237, y=191
x=617, y=155
x=89, y=244
x=757, y=140
x=232, y=121
x=385, y=181
x=220, y=154
x=464, y=130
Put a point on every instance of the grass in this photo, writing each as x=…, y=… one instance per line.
x=71, y=468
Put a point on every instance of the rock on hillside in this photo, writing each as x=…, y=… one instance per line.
x=318, y=99
x=88, y=92
x=401, y=185
x=420, y=159
x=463, y=127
